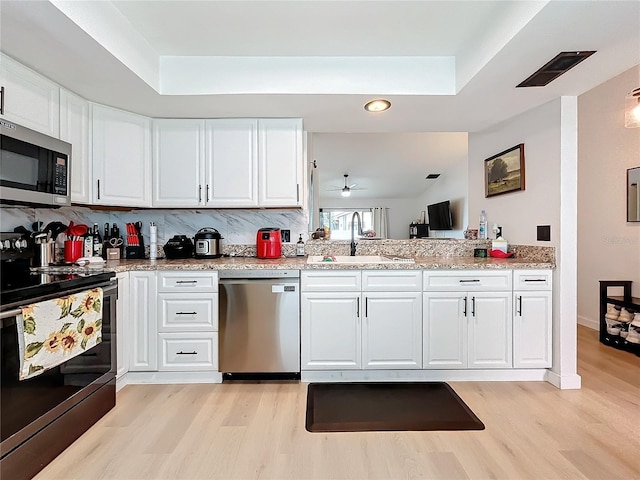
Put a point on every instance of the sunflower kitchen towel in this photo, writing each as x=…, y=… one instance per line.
x=52, y=332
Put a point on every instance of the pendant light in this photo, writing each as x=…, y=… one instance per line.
x=632, y=109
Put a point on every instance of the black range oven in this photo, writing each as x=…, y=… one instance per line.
x=43, y=415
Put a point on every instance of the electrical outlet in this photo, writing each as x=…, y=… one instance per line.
x=544, y=233
x=286, y=235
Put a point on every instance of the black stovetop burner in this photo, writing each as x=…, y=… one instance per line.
x=19, y=284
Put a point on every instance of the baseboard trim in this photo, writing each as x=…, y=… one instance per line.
x=161, y=378
x=588, y=322
x=520, y=375
x=567, y=382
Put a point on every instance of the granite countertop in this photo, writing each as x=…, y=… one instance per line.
x=300, y=263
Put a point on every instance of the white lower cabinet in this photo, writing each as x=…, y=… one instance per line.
x=465, y=327
x=188, y=351
x=532, y=314
x=144, y=327
x=330, y=328
x=122, y=325
x=392, y=330
x=187, y=306
x=348, y=324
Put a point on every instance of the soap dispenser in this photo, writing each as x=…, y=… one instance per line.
x=300, y=247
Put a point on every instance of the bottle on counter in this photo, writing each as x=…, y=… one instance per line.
x=97, y=241
x=300, y=247
x=87, y=251
x=482, y=227
x=153, y=241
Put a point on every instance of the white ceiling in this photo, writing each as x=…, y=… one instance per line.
x=446, y=66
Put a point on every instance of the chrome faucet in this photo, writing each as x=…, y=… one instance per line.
x=353, y=222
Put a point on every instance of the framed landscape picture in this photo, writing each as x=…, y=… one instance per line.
x=504, y=172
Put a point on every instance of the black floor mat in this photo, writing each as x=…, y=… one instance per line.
x=392, y=406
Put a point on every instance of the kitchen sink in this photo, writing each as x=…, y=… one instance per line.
x=357, y=259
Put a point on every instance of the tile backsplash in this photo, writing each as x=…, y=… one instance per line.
x=237, y=226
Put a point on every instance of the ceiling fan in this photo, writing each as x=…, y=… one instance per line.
x=346, y=190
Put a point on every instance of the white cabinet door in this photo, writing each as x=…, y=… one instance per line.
x=74, y=128
x=532, y=329
x=444, y=330
x=178, y=163
x=144, y=327
x=281, y=162
x=232, y=163
x=330, y=331
x=392, y=330
x=121, y=158
x=29, y=99
x=122, y=324
x=490, y=329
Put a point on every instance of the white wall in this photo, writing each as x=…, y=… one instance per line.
x=452, y=185
x=549, y=134
x=608, y=245
x=538, y=204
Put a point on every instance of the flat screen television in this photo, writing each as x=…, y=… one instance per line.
x=440, y=216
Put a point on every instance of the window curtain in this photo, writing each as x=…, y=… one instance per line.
x=380, y=221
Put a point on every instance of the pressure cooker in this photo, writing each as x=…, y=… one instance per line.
x=208, y=243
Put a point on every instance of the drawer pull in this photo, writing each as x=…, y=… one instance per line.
x=186, y=353
x=186, y=281
x=475, y=280
x=535, y=280
x=186, y=313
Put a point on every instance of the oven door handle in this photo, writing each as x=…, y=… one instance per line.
x=10, y=313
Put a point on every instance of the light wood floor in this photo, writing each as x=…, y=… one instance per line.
x=256, y=431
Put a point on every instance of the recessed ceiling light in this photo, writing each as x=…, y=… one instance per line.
x=432, y=176
x=377, y=105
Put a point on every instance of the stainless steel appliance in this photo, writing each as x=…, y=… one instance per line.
x=43, y=415
x=35, y=169
x=207, y=242
x=259, y=322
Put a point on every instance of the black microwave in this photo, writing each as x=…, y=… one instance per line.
x=35, y=169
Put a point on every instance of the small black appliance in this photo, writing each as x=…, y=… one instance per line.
x=178, y=246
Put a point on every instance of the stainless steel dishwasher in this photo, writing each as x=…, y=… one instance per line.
x=259, y=323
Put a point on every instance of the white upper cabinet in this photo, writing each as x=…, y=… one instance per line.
x=29, y=99
x=121, y=158
x=232, y=161
x=74, y=128
x=281, y=162
x=178, y=163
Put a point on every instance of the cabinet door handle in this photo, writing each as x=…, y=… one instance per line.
x=470, y=281
x=199, y=193
x=519, y=305
x=186, y=281
x=465, y=307
x=473, y=306
x=1, y=100
x=186, y=353
x=297, y=192
x=358, y=307
x=366, y=307
x=207, y=193
x=98, y=189
x=186, y=313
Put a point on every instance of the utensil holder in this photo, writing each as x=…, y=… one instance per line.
x=73, y=250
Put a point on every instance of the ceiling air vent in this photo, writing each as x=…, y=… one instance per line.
x=432, y=176
x=560, y=64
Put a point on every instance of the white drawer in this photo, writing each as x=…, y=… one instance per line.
x=532, y=279
x=187, y=352
x=468, y=280
x=187, y=281
x=333, y=281
x=183, y=312
x=391, y=280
